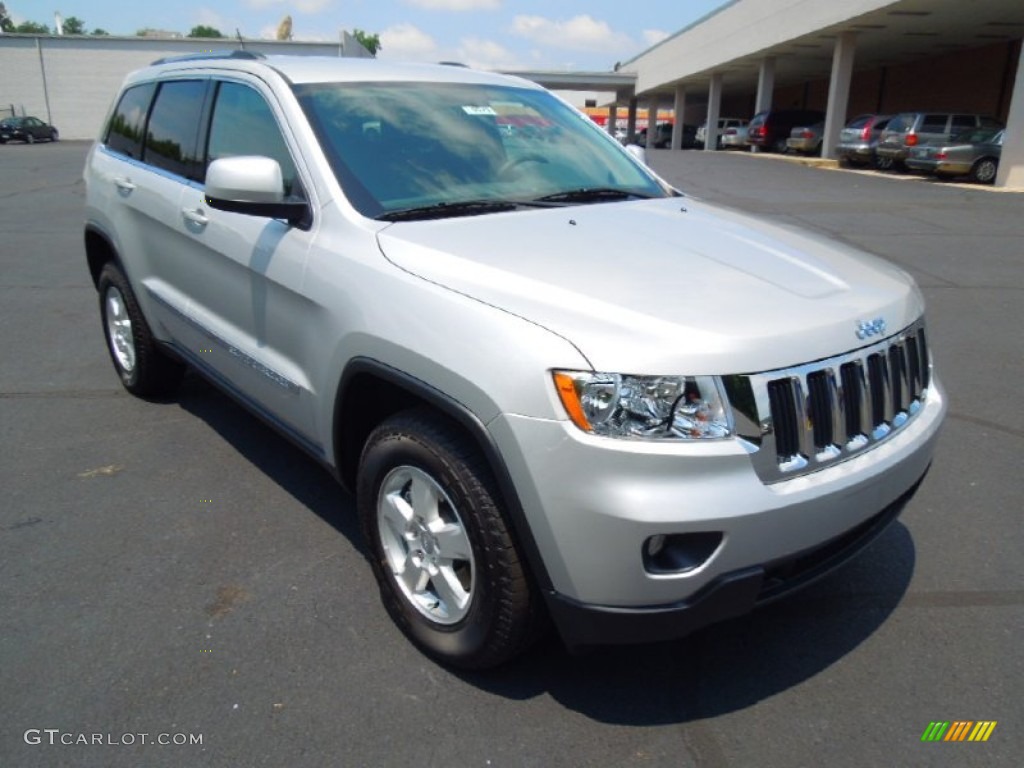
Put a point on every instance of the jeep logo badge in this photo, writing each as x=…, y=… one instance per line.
x=868, y=328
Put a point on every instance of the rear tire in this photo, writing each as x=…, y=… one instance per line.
x=883, y=163
x=984, y=171
x=30, y=139
x=143, y=367
x=449, y=572
x=54, y=136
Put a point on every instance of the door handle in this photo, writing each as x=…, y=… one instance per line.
x=196, y=216
x=124, y=184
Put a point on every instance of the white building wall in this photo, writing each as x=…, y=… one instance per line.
x=83, y=73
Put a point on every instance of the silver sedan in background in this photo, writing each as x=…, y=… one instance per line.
x=974, y=153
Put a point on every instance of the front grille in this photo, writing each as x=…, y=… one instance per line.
x=817, y=414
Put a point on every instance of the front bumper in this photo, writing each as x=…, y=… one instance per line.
x=592, y=503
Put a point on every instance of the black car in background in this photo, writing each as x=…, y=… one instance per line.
x=27, y=129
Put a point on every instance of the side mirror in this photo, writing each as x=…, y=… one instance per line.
x=252, y=185
x=637, y=152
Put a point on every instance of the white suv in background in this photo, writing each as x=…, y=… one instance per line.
x=557, y=387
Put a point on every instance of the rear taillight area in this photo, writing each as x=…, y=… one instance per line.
x=806, y=134
x=911, y=140
x=865, y=134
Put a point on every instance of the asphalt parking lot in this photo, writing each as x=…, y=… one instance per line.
x=176, y=569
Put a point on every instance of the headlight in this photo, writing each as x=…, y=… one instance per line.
x=652, y=407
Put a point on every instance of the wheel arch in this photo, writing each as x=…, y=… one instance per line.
x=370, y=391
x=99, y=251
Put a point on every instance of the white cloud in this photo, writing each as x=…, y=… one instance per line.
x=654, y=36
x=485, y=54
x=303, y=6
x=584, y=33
x=409, y=42
x=456, y=5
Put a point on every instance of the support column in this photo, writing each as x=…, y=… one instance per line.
x=765, y=85
x=631, y=122
x=653, y=105
x=714, y=110
x=765, y=88
x=613, y=117
x=680, y=109
x=838, y=91
x=1011, y=164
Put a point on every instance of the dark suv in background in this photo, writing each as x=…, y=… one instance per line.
x=770, y=129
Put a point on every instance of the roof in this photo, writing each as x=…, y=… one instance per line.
x=331, y=69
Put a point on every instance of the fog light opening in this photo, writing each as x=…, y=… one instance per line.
x=677, y=553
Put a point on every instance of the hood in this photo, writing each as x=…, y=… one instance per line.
x=667, y=286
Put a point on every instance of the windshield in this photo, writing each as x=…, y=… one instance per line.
x=401, y=146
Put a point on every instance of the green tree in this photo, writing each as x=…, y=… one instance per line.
x=74, y=26
x=100, y=32
x=368, y=41
x=6, y=25
x=202, y=30
x=31, y=28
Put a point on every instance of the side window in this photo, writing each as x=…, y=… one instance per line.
x=171, y=135
x=933, y=124
x=988, y=122
x=963, y=122
x=124, y=134
x=243, y=124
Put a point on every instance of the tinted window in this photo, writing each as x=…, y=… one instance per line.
x=859, y=122
x=244, y=125
x=933, y=124
x=963, y=121
x=988, y=122
x=124, y=134
x=174, y=126
x=900, y=123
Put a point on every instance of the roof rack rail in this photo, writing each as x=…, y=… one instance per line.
x=210, y=55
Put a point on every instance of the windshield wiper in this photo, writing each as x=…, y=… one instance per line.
x=446, y=210
x=591, y=195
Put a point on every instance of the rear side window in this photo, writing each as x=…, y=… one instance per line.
x=960, y=122
x=124, y=134
x=933, y=124
x=171, y=135
x=901, y=123
x=243, y=124
x=859, y=122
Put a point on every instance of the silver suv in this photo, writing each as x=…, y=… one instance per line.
x=558, y=388
x=910, y=129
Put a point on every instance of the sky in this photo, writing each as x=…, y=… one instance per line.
x=582, y=35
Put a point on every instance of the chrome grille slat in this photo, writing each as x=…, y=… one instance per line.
x=817, y=414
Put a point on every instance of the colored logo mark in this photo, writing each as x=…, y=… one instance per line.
x=959, y=730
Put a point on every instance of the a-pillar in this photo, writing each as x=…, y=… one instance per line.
x=714, y=110
x=1011, y=164
x=680, y=109
x=838, y=91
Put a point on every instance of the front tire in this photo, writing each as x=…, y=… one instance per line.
x=54, y=135
x=445, y=560
x=30, y=139
x=143, y=367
